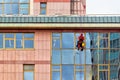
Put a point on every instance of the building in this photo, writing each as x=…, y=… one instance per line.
x=38, y=41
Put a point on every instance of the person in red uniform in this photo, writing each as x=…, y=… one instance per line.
x=79, y=42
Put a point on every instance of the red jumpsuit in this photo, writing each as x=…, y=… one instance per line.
x=79, y=42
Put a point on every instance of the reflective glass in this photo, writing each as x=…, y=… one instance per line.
x=88, y=72
x=56, y=67
x=19, y=40
x=67, y=57
x=67, y=72
x=56, y=35
x=43, y=11
x=15, y=1
x=88, y=40
x=67, y=40
x=1, y=9
x=15, y=9
x=88, y=57
x=28, y=67
x=103, y=75
x=24, y=1
x=114, y=56
x=79, y=67
x=79, y=57
x=28, y=76
x=28, y=35
x=24, y=11
x=28, y=43
x=114, y=72
x=103, y=43
x=7, y=1
x=103, y=56
x=79, y=75
x=56, y=43
x=7, y=9
x=55, y=75
x=56, y=57
x=9, y=43
x=43, y=5
x=9, y=35
x=1, y=40
x=1, y=1
x=94, y=56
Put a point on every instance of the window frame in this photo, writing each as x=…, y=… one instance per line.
x=43, y=8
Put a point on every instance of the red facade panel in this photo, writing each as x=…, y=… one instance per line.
x=51, y=0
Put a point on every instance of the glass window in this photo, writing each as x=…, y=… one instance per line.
x=67, y=72
x=24, y=9
x=28, y=72
x=28, y=43
x=19, y=40
x=29, y=35
x=67, y=40
x=7, y=9
x=24, y=1
x=14, y=1
x=15, y=9
x=67, y=56
x=1, y=40
x=56, y=57
x=1, y=9
x=80, y=76
x=28, y=76
x=43, y=8
x=43, y=11
x=56, y=43
x=55, y=75
x=9, y=43
x=9, y=35
x=6, y=1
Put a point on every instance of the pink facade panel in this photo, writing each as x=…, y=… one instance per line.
x=12, y=60
x=58, y=8
x=36, y=8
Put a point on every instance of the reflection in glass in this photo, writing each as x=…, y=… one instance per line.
x=55, y=75
x=103, y=56
x=67, y=57
x=103, y=43
x=1, y=40
x=79, y=75
x=9, y=43
x=28, y=76
x=67, y=72
x=114, y=72
x=103, y=75
x=114, y=56
x=67, y=40
x=56, y=57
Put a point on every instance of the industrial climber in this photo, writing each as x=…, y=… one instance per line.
x=80, y=42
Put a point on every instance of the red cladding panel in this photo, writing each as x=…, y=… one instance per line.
x=51, y=0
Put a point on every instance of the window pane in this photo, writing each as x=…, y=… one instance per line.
x=9, y=35
x=15, y=1
x=80, y=76
x=24, y=1
x=43, y=11
x=88, y=57
x=7, y=0
x=28, y=35
x=103, y=75
x=29, y=44
x=43, y=5
x=15, y=9
x=67, y=56
x=56, y=43
x=7, y=8
x=103, y=43
x=55, y=75
x=67, y=40
x=67, y=72
x=19, y=40
x=9, y=43
x=56, y=57
x=56, y=67
x=1, y=1
x=1, y=9
x=23, y=8
x=28, y=76
x=80, y=57
x=24, y=11
x=1, y=40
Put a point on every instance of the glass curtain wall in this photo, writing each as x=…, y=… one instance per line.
x=98, y=61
